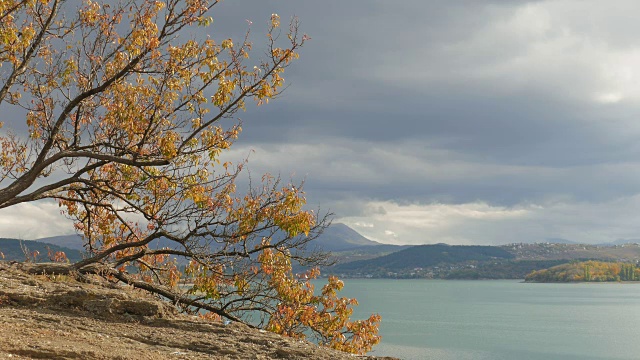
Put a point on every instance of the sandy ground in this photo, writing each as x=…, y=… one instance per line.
x=49, y=317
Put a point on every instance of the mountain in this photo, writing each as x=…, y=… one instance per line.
x=559, y=241
x=75, y=242
x=423, y=256
x=340, y=237
x=621, y=242
x=70, y=241
x=337, y=237
x=374, y=249
x=365, y=252
x=12, y=250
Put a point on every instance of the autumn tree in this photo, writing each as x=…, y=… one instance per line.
x=116, y=111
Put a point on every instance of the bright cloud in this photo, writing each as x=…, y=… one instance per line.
x=430, y=223
x=543, y=45
x=30, y=221
x=480, y=223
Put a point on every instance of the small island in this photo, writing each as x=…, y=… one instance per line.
x=587, y=271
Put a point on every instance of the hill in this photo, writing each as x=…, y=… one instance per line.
x=513, y=261
x=425, y=256
x=548, y=251
x=509, y=269
x=69, y=241
x=337, y=237
x=621, y=242
x=12, y=250
x=365, y=252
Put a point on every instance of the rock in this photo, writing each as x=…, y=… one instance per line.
x=56, y=317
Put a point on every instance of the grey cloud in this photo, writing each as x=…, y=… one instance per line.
x=409, y=172
x=492, y=117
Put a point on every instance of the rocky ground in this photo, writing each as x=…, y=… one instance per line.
x=56, y=317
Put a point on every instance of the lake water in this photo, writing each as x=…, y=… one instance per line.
x=501, y=320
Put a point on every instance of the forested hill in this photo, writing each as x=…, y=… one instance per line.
x=423, y=256
x=513, y=261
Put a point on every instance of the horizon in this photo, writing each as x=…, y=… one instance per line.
x=543, y=241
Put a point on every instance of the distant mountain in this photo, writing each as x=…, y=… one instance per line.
x=621, y=242
x=76, y=242
x=365, y=252
x=374, y=249
x=559, y=241
x=548, y=241
x=340, y=237
x=13, y=251
x=70, y=241
x=423, y=256
x=337, y=237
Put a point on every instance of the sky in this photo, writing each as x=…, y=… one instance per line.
x=464, y=122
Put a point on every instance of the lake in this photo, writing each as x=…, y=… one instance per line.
x=501, y=320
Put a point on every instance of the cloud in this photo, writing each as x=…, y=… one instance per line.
x=390, y=234
x=480, y=223
x=513, y=83
x=541, y=45
x=363, y=225
x=432, y=223
x=341, y=173
x=30, y=221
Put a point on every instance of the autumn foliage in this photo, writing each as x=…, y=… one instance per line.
x=120, y=111
x=597, y=271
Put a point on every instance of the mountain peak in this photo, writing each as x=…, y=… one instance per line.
x=339, y=236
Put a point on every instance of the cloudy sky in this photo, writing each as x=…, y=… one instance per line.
x=466, y=122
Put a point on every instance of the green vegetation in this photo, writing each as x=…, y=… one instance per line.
x=589, y=271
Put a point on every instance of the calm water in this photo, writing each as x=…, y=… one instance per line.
x=501, y=320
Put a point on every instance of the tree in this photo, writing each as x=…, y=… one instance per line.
x=124, y=104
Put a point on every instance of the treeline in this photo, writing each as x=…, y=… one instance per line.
x=596, y=271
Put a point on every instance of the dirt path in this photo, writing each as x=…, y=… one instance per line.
x=59, y=318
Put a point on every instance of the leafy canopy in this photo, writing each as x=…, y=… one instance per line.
x=115, y=110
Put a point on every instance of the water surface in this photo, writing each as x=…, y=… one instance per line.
x=501, y=320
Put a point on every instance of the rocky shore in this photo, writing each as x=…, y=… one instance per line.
x=56, y=317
